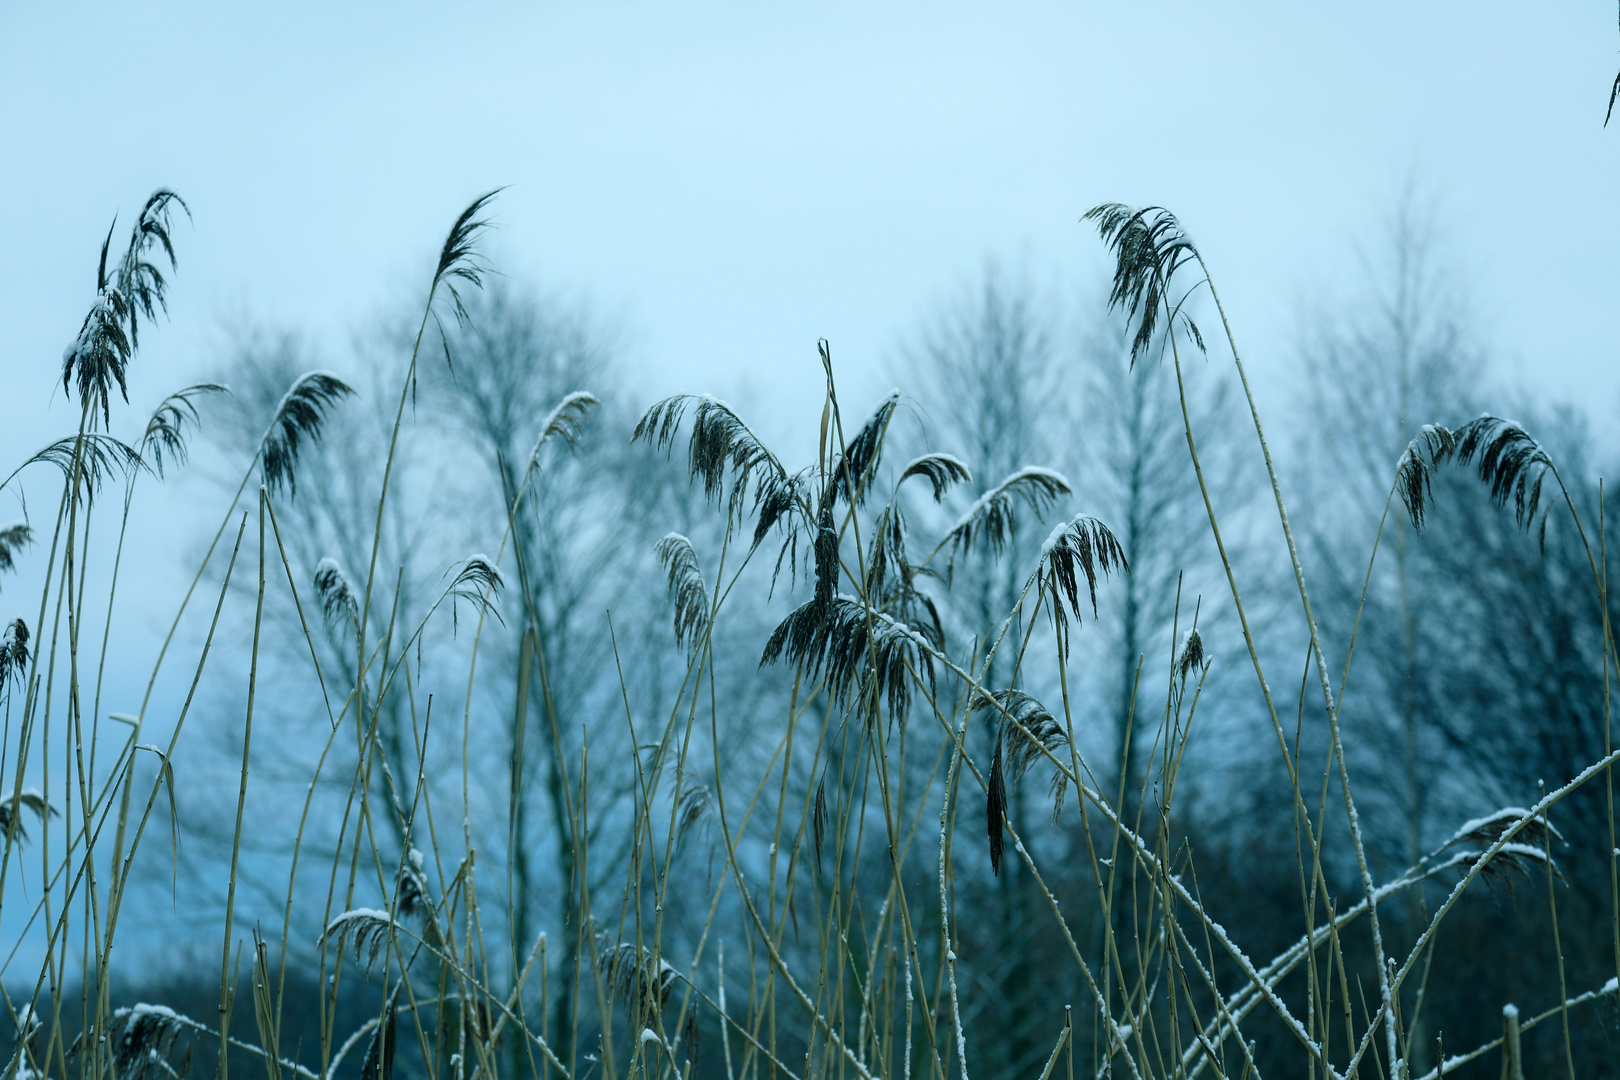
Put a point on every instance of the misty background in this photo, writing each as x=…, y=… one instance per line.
x=1409, y=214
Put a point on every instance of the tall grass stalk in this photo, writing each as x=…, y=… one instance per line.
x=857, y=823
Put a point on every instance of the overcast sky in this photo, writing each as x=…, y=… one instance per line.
x=730, y=182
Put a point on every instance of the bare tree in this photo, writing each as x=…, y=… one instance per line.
x=1135, y=464
x=1376, y=373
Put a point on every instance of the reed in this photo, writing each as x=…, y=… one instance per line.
x=834, y=929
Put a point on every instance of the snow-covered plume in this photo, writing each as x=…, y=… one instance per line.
x=151, y=1042
x=854, y=645
x=1414, y=472
x=720, y=440
x=850, y=477
x=337, y=594
x=993, y=519
x=641, y=982
x=299, y=415
x=1149, y=247
x=1077, y=550
x=1190, y=657
x=565, y=422
x=366, y=929
x=941, y=470
x=478, y=582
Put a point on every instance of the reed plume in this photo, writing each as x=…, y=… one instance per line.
x=993, y=519
x=299, y=416
x=686, y=589
x=110, y=333
x=941, y=471
x=1149, y=249
x=166, y=430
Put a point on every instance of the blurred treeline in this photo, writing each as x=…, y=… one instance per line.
x=1477, y=674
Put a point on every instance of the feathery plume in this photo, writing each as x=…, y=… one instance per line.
x=13, y=538
x=336, y=592
x=1528, y=849
x=642, y=982
x=993, y=519
x=300, y=415
x=1414, y=472
x=1511, y=462
x=1190, y=657
x=1487, y=830
x=860, y=458
x=833, y=637
x=459, y=260
x=941, y=470
x=166, y=430
x=686, y=589
x=28, y=799
x=151, y=1042
x=696, y=802
x=460, y=265
x=1025, y=732
x=1149, y=248
x=99, y=457
x=411, y=888
x=720, y=440
x=566, y=422
x=1077, y=550
x=478, y=582
x=13, y=652
x=367, y=929
x=99, y=356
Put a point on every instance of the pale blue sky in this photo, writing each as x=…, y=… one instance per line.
x=733, y=181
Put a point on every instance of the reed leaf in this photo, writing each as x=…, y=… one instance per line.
x=378, y=1064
